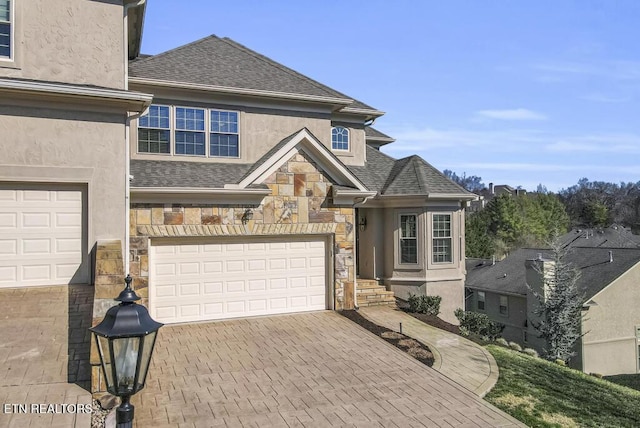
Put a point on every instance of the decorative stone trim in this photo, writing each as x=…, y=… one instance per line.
x=165, y=231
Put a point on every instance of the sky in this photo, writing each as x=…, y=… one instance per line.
x=516, y=92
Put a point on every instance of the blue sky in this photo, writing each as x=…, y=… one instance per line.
x=516, y=92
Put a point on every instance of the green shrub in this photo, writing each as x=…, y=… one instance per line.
x=429, y=305
x=560, y=362
x=515, y=346
x=531, y=352
x=477, y=323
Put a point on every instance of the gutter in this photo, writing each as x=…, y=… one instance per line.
x=132, y=101
x=199, y=190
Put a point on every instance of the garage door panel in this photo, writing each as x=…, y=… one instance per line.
x=41, y=235
x=244, y=279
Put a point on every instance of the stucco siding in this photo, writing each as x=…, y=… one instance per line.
x=609, y=342
x=260, y=129
x=62, y=146
x=69, y=41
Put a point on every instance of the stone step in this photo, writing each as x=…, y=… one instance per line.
x=373, y=290
x=375, y=294
x=377, y=303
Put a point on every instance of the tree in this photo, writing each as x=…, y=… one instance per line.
x=505, y=219
x=559, y=305
x=472, y=183
x=478, y=243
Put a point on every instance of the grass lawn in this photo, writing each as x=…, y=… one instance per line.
x=543, y=394
x=630, y=380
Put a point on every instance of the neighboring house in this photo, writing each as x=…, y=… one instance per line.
x=64, y=110
x=487, y=194
x=257, y=190
x=609, y=279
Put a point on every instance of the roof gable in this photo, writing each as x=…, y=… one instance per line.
x=306, y=142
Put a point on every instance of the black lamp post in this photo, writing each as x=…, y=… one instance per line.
x=125, y=339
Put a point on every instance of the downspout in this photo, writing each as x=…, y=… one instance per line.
x=127, y=142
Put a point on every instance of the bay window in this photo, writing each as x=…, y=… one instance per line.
x=441, y=244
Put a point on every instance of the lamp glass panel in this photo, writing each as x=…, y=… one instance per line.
x=105, y=358
x=147, y=349
x=125, y=353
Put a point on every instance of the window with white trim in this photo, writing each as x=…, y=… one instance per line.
x=481, y=300
x=5, y=29
x=408, y=239
x=224, y=134
x=190, y=132
x=504, y=306
x=339, y=138
x=441, y=248
x=154, y=130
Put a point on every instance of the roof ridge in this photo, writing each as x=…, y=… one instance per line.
x=427, y=164
x=162, y=54
x=282, y=67
x=418, y=172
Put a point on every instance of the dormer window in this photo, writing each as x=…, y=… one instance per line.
x=340, y=138
x=5, y=28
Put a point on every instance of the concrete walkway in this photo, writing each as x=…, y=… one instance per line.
x=461, y=360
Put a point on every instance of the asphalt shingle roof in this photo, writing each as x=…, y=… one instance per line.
x=509, y=274
x=223, y=62
x=407, y=176
x=151, y=173
x=613, y=236
x=373, y=133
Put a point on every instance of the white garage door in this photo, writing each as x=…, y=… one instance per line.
x=40, y=236
x=216, y=280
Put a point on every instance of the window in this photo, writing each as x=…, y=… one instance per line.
x=190, y=133
x=224, y=134
x=185, y=131
x=154, y=131
x=504, y=305
x=5, y=28
x=339, y=138
x=481, y=300
x=409, y=238
x=442, y=238
x=525, y=336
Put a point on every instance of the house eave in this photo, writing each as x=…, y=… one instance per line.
x=334, y=102
x=368, y=113
x=136, y=102
x=200, y=190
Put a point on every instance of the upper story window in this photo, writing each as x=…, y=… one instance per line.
x=154, y=131
x=224, y=133
x=481, y=300
x=504, y=305
x=409, y=238
x=189, y=131
x=442, y=249
x=5, y=28
x=339, y=138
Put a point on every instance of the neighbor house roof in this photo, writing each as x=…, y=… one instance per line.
x=222, y=62
x=596, y=272
x=407, y=176
x=614, y=236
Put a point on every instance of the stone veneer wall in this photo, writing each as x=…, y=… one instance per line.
x=109, y=282
x=299, y=204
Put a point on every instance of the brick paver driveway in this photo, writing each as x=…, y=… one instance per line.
x=314, y=369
